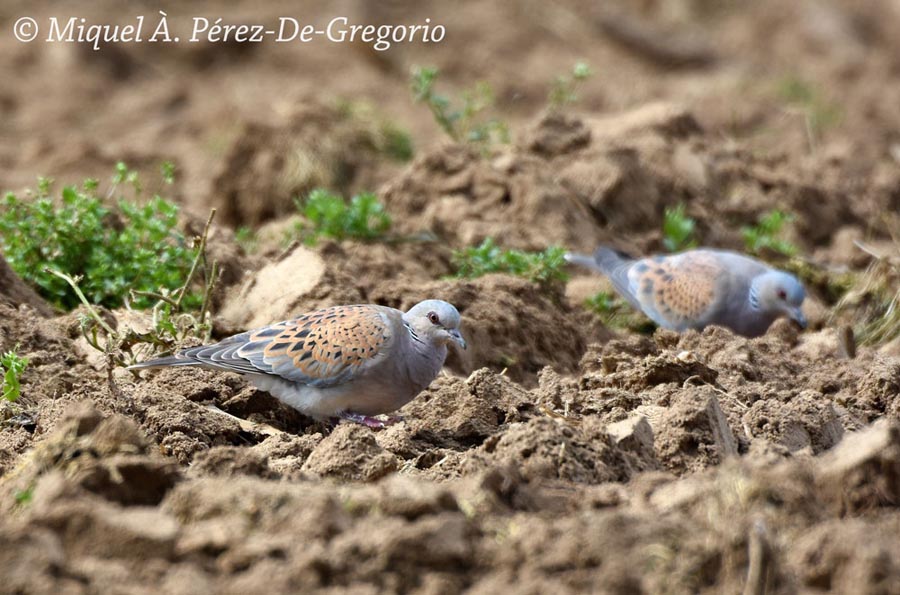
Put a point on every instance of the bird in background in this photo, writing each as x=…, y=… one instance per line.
x=702, y=287
x=348, y=362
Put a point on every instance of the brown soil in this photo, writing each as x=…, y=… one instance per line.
x=555, y=455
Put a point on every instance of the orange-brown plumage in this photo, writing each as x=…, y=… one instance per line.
x=345, y=361
x=701, y=287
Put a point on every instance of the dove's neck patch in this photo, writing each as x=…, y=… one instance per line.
x=412, y=334
x=754, y=296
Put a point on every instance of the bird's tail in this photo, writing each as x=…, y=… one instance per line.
x=612, y=263
x=605, y=260
x=581, y=260
x=172, y=360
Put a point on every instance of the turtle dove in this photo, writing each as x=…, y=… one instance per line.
x=350, y=362
x=702, y=287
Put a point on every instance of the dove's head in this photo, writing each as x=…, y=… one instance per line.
x=779, y=293
x=436, y=321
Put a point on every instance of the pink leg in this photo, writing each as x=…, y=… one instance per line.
x=370, y=422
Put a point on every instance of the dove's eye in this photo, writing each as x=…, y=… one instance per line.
x=433, y=318
x=782, y=294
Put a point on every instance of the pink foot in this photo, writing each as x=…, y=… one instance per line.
x=370, y=422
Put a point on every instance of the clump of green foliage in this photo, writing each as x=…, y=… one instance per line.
x=329, y=215
x=464, y=119
x=565, y=87
x=678, y=229
x=820, y=112
x=11, y=367
x=765, y=235
x=80, y=250
x=544, y=268
x=113, y=249
x=173, y=320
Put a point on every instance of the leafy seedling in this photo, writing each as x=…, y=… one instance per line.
x=678, y=229
x=544, y=268
x=24, y=497
x=11, y=366
x=565, y=87
x=765, y=235
x=246, y=239
x=329, y=215
x=462, y=119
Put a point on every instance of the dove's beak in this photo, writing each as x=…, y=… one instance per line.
x=457, y=337
x=796, y=314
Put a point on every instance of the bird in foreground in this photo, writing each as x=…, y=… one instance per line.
x=349, y=362
x=697, y=288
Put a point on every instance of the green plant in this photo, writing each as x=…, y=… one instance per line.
x=678, y=229
x=24, y=497
x=602, y=303
x=246, y=239
x=463, y=120
x=543, y=268
x=395, y=142
x=173, y=319
x=564, y=90
x=329, y=215
x=12, y=366
x=114, y=249
x=765, y=234
x=167, y=169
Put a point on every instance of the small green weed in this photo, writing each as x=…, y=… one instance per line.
x=463, y=120
x=329, y=215
x=24, y=497
x=544, y=268
x=678, y=229
x=603, y=304
x=113, y=249
x=395, y=142
x=11, y=366
x=167, y=169
x=565, y=87
x=765, y=234
x=246, y=239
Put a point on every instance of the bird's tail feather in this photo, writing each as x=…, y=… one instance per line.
x=172, y=360
x=582, y=260
x=613, y=264
x=609, y=259
x=605, y=259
